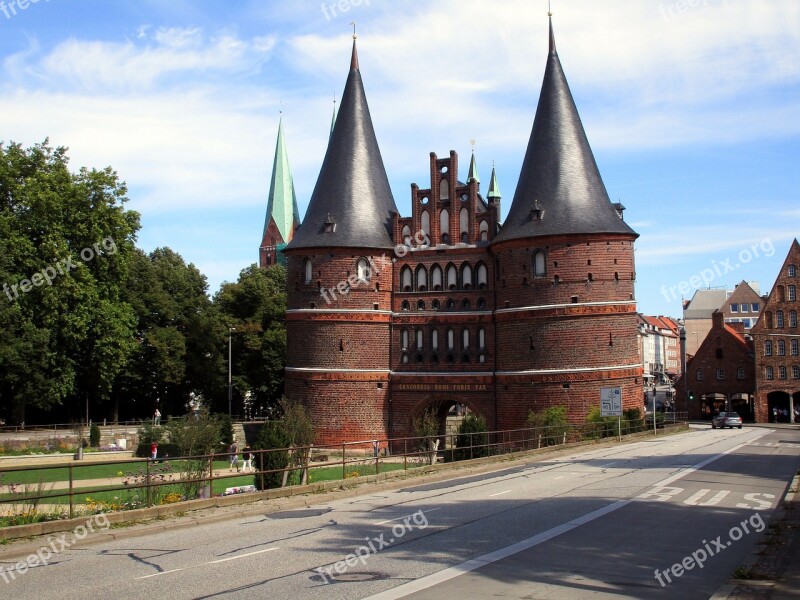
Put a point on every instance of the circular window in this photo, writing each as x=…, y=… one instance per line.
x=423, y=200
x=444, y=169
x=464, y=197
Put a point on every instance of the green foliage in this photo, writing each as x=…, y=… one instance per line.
x=225, y=429
x=149, y=433
x=272, y=435
x=472, y=440
x=69, y=336
x=195, y=437
x=426, y=426
x=94, y=435
x=602, y=427
x=551, y=424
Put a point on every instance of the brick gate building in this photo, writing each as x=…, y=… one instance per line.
x=389, y=316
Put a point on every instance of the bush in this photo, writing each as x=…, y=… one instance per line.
x=94, y=435
x=225, y=429
x=272, y=435
x=472, y=440
x=632, y=421
x=165, y=450
x=149, y=433
x=426, y=428
x=551, y=423
x=602, y=427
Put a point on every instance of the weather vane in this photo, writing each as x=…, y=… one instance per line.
x=472, y=143
x=354, y=29
x=549, y=12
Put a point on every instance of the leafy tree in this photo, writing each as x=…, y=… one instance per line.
x=255, y=306
x=472, y=440
x=551, y=424
x=65, y=244
x=270, y=437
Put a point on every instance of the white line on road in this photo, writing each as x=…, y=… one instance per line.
x=559, y=477
x=205, y=564
x=429, y=581
x=499, y=494
x=427, y=510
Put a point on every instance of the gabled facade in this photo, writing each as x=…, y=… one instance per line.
x=282, y=214
x=720, y=375
x=743, y=305
x=391, y=316
x=777, y=344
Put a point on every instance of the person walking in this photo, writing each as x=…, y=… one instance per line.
x=247, y=458
x=234, y=452
x=157, y=417
x=153, y=450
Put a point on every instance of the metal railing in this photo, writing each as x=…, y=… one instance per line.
x=370, y=456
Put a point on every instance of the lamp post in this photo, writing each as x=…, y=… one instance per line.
x=683, y=367
x=230, y=370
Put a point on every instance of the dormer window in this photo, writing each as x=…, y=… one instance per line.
x=537, y=212
x=330, y=224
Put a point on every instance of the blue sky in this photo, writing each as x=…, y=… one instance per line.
x=692, y=108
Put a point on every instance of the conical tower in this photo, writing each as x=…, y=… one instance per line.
x=340, y=282
x=282, y=214
x=566, y=312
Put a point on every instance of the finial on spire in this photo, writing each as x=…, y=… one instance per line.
x=552, y=36
x=353, y=23
x=354, y=58
x=472, y=143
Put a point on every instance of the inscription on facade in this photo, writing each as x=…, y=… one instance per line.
x=442, y=387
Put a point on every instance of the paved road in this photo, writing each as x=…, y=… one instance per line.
x=594, y=523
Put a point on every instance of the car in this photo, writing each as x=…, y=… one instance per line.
x=726, y=419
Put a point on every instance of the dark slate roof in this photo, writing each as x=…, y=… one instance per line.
x=559, y=175
x=352, y=189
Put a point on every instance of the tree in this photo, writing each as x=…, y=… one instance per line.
x=472, y=440
x=65, y=244
x=256, y=306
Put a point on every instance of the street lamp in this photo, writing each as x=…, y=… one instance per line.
x=683, y=366
x=230, y=383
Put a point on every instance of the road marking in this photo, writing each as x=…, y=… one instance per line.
x=429, y=581
x=205, y=564
x=499, y=493
x=559, y=477
x=429, y=510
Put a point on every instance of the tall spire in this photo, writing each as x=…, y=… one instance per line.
x=352, y=202
x=282, y=202
x=560, y=190
x=494, y=188
x=473, y=167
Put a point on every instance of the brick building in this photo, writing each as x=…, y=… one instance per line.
x=743, y=305
x=721, y=374
x=390, y=316
x=776, y=338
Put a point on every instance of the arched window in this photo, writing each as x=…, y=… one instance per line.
x=481, y=338
x=794, y=348
x=405, y=306
x=425, y=221
x=444, y=190
x=420, y=304
x=435, y=304
x=451, y=339
x=404, y=339
x=782, y=372
x=482, y=276
x=444, y=223
x=792, y=318
x=483, y=229
x=465, y=339
x=792, y=293
x=452, y=277
x=768, y=348
x=740, y=374
x=792, y=270
x=539, y=264
x=435, y=340
x=465, y=304
x=422, y=279
x=307, y=270
x=407, y=235
x=362, y=270
x=795, y=372
x=781, y=348
x=405, y=279
x=419, y=339
x=436, y=277
x=466, y=276
x=770, y=373
x=699, y=374
x=463, y=221
x=779, y=319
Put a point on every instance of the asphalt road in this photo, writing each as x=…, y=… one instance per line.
x=596, y=523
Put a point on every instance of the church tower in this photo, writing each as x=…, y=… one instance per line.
x=282, y=214
x=565, y=309
x=340, y=282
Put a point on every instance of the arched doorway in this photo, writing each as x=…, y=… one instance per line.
x=777, y=403
x=448, y=414
x=743, y=404
x=712, y=404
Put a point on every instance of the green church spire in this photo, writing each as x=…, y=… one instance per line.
x=494, y=188
x=282, y=202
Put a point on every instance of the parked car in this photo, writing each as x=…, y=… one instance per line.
x=726, y=419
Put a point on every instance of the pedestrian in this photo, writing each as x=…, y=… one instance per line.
x=157, y=417
x=234, y=452
x=785, y=415
x=775, y=414
x=247, y=457
x=153, y=450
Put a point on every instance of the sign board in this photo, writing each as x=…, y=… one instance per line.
x=611, y=402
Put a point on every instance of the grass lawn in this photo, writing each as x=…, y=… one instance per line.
x=90, y=471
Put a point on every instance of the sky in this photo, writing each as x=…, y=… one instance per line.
x=692, y=109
